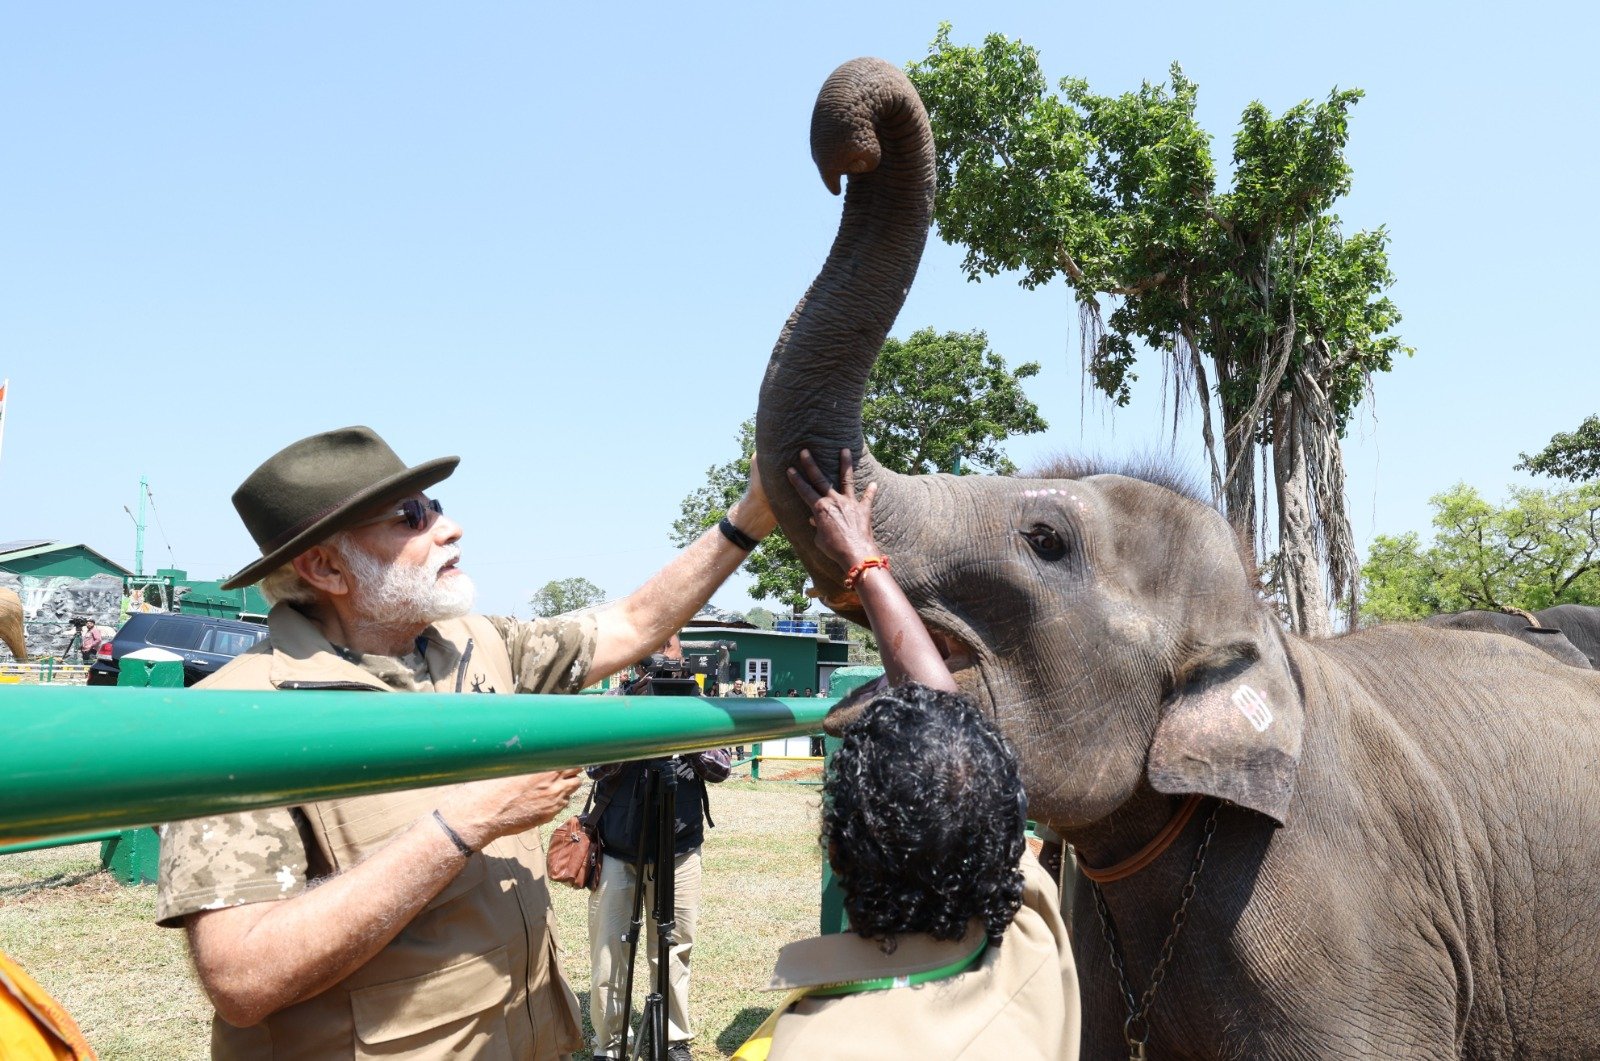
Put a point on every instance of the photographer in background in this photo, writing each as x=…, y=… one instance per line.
x=625, y=826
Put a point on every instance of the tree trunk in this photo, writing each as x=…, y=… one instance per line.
x=1238, y=452
x=1299, y=565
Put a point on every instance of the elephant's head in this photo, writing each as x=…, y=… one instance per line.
x=1108, y=622
x=11, y=624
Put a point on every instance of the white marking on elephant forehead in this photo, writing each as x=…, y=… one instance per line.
x=1051, y=491
x=1253, y=706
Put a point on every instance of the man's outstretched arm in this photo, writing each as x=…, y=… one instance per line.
x=642, y=621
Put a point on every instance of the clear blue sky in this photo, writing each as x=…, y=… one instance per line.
x=559, y=240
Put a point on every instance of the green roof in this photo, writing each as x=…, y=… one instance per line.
x=7, y=559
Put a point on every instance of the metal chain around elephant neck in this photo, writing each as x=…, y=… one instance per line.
x=1136, y=1029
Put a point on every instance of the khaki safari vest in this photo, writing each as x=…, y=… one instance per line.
x=476, y=974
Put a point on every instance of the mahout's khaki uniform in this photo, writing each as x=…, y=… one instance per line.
x=1017, y=1001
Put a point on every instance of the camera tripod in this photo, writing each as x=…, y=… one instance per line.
x=660, y=806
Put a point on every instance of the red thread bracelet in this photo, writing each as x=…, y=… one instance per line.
x=862, y=568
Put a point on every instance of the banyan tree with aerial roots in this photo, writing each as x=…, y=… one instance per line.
x=1268, y=319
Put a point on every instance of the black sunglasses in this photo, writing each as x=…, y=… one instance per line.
x=414, y=512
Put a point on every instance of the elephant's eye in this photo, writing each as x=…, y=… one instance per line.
x=1045, y=541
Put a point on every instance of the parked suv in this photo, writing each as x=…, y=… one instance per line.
x=204, y=642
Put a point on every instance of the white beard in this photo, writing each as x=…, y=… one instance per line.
x=395, y=594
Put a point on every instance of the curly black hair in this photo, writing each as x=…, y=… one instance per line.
x=923, y=818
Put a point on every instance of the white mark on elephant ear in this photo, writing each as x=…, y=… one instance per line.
x=1253, y=706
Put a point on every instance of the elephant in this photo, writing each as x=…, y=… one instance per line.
x=1580, y=623
x=1396, y=851
x=1524, y=626
x=11, y=624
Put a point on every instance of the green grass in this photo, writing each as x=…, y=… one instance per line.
x=93, y=944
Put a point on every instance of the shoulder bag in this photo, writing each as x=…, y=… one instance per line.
x=574, y=855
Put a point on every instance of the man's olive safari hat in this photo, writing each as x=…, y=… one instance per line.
x=312, y=489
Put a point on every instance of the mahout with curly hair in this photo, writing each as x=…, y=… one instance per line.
x=923, y=822
x=924, y=818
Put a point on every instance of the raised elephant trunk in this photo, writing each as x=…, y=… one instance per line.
x=869, y=123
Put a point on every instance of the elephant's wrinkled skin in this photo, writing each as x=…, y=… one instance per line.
x=11, y=623
x=1546, y=639
x=1431, y=891
x=1579, y=623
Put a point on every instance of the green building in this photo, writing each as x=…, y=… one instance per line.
x=198, y=597
x=798, y=654
x=41, y=558
x=35, y=561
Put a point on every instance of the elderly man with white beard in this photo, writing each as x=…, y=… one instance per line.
x=415, y=924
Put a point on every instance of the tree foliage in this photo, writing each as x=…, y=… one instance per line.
x=1541, y=549
x=933, y=402
x=1253, y=297
x=557, y=597
x=938, y=403
x=760, y=618
x=1574, y=455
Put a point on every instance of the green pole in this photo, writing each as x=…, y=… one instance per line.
x=86, y=758
x=138, y=538
x=831, y=907
x=755, y=762
x=59, y=841
x=134, y=855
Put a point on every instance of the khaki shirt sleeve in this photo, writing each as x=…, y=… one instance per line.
x=549, y=655
x=229, y=860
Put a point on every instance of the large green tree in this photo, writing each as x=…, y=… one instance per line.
x=939, y=403
x=934, y=402
x=1540, y=549
x=1254, y=298
x=559, y=596
x=1571, y=455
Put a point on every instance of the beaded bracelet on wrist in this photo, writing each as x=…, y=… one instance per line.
x=854, y=574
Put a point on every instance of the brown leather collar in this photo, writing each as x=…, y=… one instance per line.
x=1150, y=852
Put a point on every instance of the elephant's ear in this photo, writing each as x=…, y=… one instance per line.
x=1232, y=729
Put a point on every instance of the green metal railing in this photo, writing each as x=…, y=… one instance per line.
x=60, y=841
x=756, y=758
x=89, y=759
x=42, y=669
